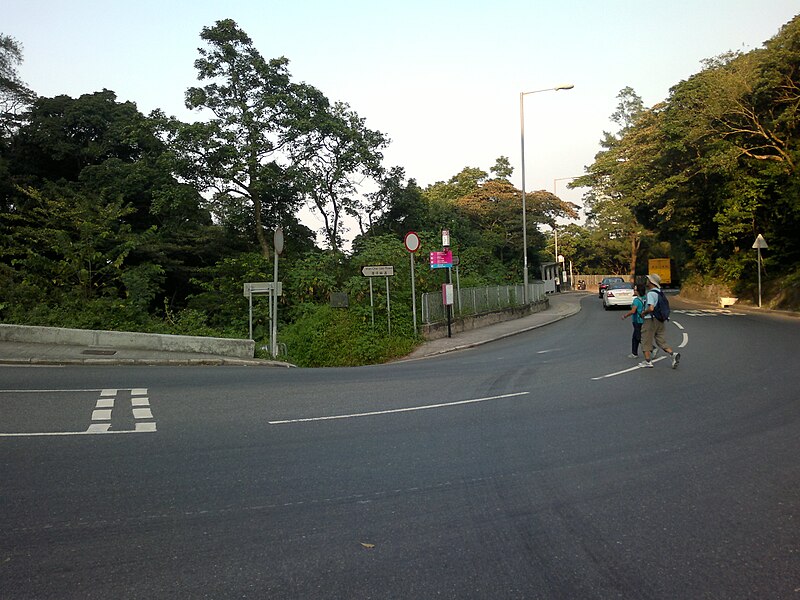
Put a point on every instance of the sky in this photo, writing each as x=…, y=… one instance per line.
x=442, y=78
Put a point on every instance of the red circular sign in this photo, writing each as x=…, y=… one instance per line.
x=411, y=241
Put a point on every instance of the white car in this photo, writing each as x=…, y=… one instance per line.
x=618, y=294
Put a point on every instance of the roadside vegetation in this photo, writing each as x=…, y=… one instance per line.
x=111, y=219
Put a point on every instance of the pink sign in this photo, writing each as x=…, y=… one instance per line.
x=441, y=260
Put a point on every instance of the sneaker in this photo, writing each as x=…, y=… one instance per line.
x=633, y=355
x=646, y=364
x=653, y=353
x=676, y=358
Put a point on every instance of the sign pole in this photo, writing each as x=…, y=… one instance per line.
x=413, y=293
x=250, y=302
x=278, y=247
x=371, y=303
x=412, y=244
x=759, y=277
x=758, y=245
x=388, y=311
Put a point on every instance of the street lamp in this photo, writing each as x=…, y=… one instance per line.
x=522, y=95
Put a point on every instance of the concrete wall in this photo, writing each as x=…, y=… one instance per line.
x=434, y=331
x=124, y=339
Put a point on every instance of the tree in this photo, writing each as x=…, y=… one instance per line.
x=340, y=154
x=616, y=186
x=257, y=113
x=502, y=168
x=14, y=95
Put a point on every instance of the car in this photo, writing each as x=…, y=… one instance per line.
x=618, y=294
x=606, y=282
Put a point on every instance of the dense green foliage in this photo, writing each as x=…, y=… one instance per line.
x=707, y=170
x=111, y=219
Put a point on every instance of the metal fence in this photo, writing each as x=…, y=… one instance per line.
x=477, y=300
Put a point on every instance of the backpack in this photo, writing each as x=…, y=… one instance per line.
x=661, y=309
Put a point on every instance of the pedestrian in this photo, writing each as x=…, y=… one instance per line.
x=653, y=328
x=635, y=313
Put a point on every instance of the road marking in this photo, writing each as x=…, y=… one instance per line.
x=89, y=431
x=142, y=413
x=629, y=370
x=101, y=415
x=398, y=410
x=683, y=344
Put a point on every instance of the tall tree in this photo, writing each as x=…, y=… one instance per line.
x=14, y=94
x=340, y=156
x=257, y=114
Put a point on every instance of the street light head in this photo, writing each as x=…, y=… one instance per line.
x=566, y=86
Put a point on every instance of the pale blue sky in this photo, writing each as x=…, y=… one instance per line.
x=441, y=78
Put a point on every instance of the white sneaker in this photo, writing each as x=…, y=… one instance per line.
x=646, y=364
x=633, y=355
x=676, y=358
x=653, y=353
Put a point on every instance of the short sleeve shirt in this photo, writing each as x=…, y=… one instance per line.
x=652, y=300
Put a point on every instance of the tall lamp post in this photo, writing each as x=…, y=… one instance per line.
x=522, y=95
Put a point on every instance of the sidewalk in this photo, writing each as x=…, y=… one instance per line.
x=21, y=353
x=561, y=306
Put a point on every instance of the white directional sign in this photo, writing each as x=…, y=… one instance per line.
x=261, y=287
x=378, y=271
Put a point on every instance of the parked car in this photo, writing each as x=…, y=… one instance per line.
x=618, y=294
x=606, y=282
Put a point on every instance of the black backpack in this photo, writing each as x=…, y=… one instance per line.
x=661, y=309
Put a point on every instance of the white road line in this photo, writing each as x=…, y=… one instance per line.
x=105, y=403
x=631, y=369
x=77, y=391
x=89, y=431
x=140, y=401
x=398, y=410
x=47, y=391
x=685, y=340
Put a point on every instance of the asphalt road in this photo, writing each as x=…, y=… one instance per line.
x=539, y=466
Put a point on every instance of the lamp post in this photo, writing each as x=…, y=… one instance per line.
x=522, y=95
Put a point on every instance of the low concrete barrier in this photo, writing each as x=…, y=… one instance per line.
x=434, y=331
x=125, y=339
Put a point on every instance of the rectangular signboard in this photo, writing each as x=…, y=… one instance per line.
x=261, y=287
x=441, y=260
x=378, y=271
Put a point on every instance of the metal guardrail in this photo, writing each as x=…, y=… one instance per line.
x=478, y=300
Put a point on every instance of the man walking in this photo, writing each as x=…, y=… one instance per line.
x=653, y=328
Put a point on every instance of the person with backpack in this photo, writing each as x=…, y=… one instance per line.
x=656, y=315
x=637, y=307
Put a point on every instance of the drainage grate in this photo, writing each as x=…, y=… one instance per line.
x=99, y=351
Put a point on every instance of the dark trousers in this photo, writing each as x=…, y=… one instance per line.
x=637, y=338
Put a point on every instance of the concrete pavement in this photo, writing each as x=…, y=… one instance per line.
x=26, y=353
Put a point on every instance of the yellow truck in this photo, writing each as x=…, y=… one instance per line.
x=661, y=267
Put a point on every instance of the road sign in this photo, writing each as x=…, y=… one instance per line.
x=441, y=260
x=261, y=287
x=411, y=241
x=760, y=242
x=378, y=271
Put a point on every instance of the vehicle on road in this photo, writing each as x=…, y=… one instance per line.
x=618, y=294
x=607, y=281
